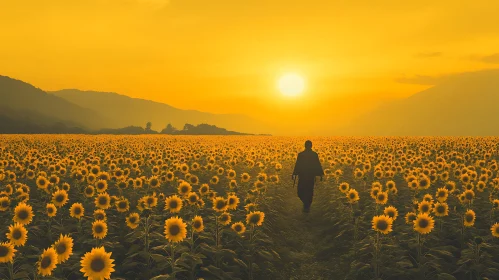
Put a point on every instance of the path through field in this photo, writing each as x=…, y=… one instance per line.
x=306, y=250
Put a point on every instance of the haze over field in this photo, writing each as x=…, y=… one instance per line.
x=236, y=57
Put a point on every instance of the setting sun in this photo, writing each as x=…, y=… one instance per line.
x=291, y=84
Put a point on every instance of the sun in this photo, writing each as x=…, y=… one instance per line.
x=291, y=84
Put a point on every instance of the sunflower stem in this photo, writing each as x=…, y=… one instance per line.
x=11, y=269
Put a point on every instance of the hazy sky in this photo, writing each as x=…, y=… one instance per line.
x=224, y=56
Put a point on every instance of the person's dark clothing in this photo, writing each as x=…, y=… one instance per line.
x=307, y=167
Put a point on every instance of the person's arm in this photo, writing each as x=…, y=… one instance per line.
x=297, y=168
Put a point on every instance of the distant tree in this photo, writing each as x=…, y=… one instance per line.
x=148, y=126
x=170, y=129
x=188, y=127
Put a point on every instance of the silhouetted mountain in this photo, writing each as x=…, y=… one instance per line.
x=43, y=108
x=463, y=105
x=12, y=122
x=122, y=110
x=131, y=130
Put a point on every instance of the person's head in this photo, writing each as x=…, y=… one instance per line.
x=308, y=144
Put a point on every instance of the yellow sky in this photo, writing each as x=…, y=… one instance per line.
x=224, y=56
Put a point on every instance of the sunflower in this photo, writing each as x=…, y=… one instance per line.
x=424, y=207
x=250, y=207
x=192, y=198
x=184, y=188
x=382, y=223
x=428, y=198
x=4, y=203
x=132, y=221
x=219, y=204
x=100, y=214
x=51, y=210
x=391, y=212
x=103, y=201
x=76, y=211
x=382, y=198
x=89, y=191
x=245, y=177
x=173, y=204
x=442, y=194
x=352, y=196
x=59, y=198
x=101, y=186
x=424, y=223
x=7, y=252
x=154, y=182
x=204, y=189
x=390, y=185
x=47, y=262
x=214, y=180
x=224, y=219
x=23, y=214
x=238, y=227
x=424, y=182
x=495, y=230
x=410, y=217
x=441, y=209
x=344, y=187
x=197, y=224
x=232, y=184
x=42, y=182
x=99, y=229
x=374, y=192
x=469, y=195
x=97, y=264
x=232, y=201
x=122, y=205
x=469, y=218
x=255, y=218
x=64, y=248
x=17, y=235
x=495, y=204
x=175, y=229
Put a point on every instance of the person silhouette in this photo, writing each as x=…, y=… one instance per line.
x=307, y=168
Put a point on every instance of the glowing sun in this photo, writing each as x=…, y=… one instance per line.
x=291, y=84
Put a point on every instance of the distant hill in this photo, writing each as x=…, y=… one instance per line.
x=22, y=100
x=464, y=105
x=121, y=111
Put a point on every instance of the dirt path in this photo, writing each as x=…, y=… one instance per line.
x=299, y=237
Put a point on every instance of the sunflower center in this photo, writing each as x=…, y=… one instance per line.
x=254, y=218
x=59, y=198
x=77, y=211
x=50, y=210
x=133, y=220
x=16, y=234
x=46, y=261
x=23, y=214
x=60, y=248
x=238, y=228
x=423, y=223
x=122, y=204
x=174, y=230
x=4, y=251
x=97, y=264
x=197, y=224
x=102, y=200
x=150, y=200
x=469, y=218
x=382, y=225
x=5, y=203
x=440, y=209
x=88, y=191
x=220, y=204
x=425, y=208
x=99, y=229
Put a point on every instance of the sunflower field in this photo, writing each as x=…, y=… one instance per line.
x=224, y=207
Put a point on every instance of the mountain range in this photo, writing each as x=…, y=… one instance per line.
x=460, y=105
x=22, y=104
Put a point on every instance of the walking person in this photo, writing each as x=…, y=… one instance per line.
x=307, y=168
